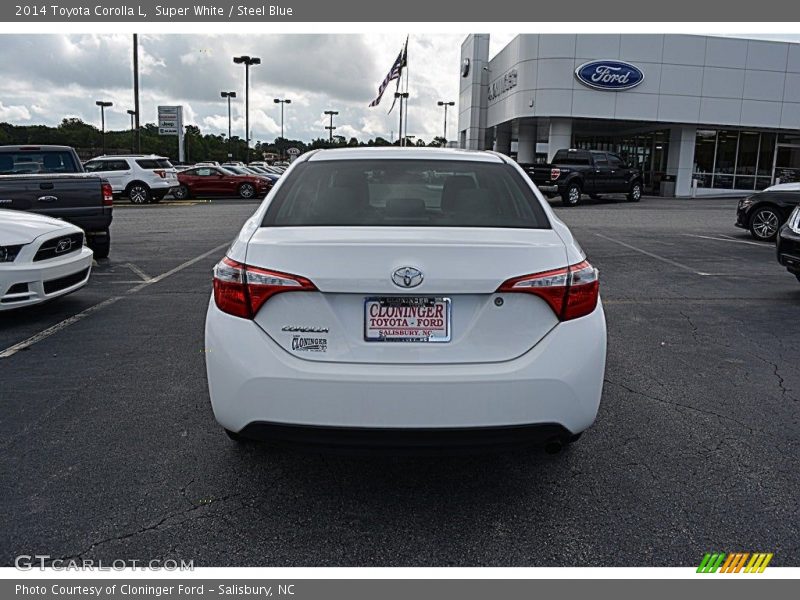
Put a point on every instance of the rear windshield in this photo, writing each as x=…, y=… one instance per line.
x=33, y=162
x=157, y=163
x=564, y=157
x=415, y=193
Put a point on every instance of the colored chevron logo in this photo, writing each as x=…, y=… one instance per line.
x=737, y=562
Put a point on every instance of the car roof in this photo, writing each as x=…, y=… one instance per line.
x=128, y=156
x=413, y=153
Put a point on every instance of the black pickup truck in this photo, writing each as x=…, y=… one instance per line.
x=593, y=172
x=50, y=180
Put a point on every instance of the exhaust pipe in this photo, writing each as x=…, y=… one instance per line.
x=553, y=447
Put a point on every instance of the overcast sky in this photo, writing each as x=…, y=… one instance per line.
x=45, y=78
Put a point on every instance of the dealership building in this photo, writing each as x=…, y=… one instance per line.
x=699, y=115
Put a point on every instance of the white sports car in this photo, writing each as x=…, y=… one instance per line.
x=436, y=299
x=40, y=258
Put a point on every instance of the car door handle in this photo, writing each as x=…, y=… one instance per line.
x=45, y=186
x=47, y=198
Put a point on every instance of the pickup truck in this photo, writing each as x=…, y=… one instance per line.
x=50, y=180
x=593, y=172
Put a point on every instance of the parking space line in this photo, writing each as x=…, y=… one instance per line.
x=725, y=238
x=46, y=333
x=663, y=259
x=144, y=276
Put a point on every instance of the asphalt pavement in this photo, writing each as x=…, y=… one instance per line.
x=110, y=449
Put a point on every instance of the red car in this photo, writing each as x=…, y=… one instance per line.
x=219, y=181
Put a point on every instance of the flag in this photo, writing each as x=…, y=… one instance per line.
x=394, y=73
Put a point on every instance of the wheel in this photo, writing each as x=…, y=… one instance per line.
x=594, y=196
x=635, y=194
x=100, y=244
x=764, y=223
x=572, y=196
x=181, y=192
x=139, y=193
x=247, y=191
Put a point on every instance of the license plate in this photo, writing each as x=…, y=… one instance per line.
x=407, y=319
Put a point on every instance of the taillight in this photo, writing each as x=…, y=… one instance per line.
x=241, y=290
x=161, y=173
x=571, y=292
x=555, y=174
x=108, y=195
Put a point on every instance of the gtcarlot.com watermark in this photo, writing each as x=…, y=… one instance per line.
x=29, y=562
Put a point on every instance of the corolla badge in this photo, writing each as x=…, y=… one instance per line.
x=407, y=277
x=613, y=75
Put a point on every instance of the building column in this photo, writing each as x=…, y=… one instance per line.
x=680, y=161
x=502, y=139
x=560, y=137
x=526, y=145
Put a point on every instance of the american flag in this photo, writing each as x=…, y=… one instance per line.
x=394, y=73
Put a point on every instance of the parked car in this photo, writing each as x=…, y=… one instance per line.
x=400, y=313
x=788, y=244
x=593, y=172
x=41, y=258
x=219, y=181
x=50, y=180
x=261, y=171
x=139, y=177
x=763, y=213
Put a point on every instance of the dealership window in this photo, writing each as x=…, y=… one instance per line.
x=729, y=159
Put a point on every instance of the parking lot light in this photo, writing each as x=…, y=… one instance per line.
x=445, y=104
x=103, y=105
x=229, y=95
x=282, y=101
x=330, y=128
x=247, y=61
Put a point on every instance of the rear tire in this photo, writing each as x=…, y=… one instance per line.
x=181, y=192
x=139, y=193
x=247, y=191
x=765, y=223
x=635, y=193
x=100, y=244
x=572, y=195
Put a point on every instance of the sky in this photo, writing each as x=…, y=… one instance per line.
x=46, y=78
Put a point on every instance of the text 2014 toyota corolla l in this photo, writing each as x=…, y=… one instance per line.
x=394, y=297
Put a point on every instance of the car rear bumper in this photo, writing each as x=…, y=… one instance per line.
x=253, y=381
x=42, y=281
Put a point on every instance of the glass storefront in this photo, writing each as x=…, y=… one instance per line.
x=646, y=151
x=728, y=159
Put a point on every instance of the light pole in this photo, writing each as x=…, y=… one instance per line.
x=229, y=95
x=103, y=105
x=282, y=102
x=445, y=104
x=330, y=127
x=403, y=99
x=138, y=135
x=132, y=113
x=247, y=61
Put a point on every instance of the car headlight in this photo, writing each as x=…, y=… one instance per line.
x=794, y=220
x=9, y=253
x=745, y=202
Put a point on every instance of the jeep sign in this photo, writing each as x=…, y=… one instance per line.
x=611, y=75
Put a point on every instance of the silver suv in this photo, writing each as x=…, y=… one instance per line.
x=141, y=177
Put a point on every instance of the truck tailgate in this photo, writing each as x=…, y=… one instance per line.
x=76, y=198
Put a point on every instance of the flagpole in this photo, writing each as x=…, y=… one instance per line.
x=406, y=93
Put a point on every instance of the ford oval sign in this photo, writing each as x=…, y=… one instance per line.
x=612, y=75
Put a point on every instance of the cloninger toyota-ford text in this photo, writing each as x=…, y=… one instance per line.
x=392, y=297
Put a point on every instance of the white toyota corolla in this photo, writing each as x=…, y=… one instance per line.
x=40, y=258
x=422, y=297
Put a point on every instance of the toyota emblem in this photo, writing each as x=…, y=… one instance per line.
x=407, y=277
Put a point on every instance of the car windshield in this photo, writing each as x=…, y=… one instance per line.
x=34, y=162
x=436, y=193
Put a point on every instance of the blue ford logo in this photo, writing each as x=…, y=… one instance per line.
x=611, y=75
